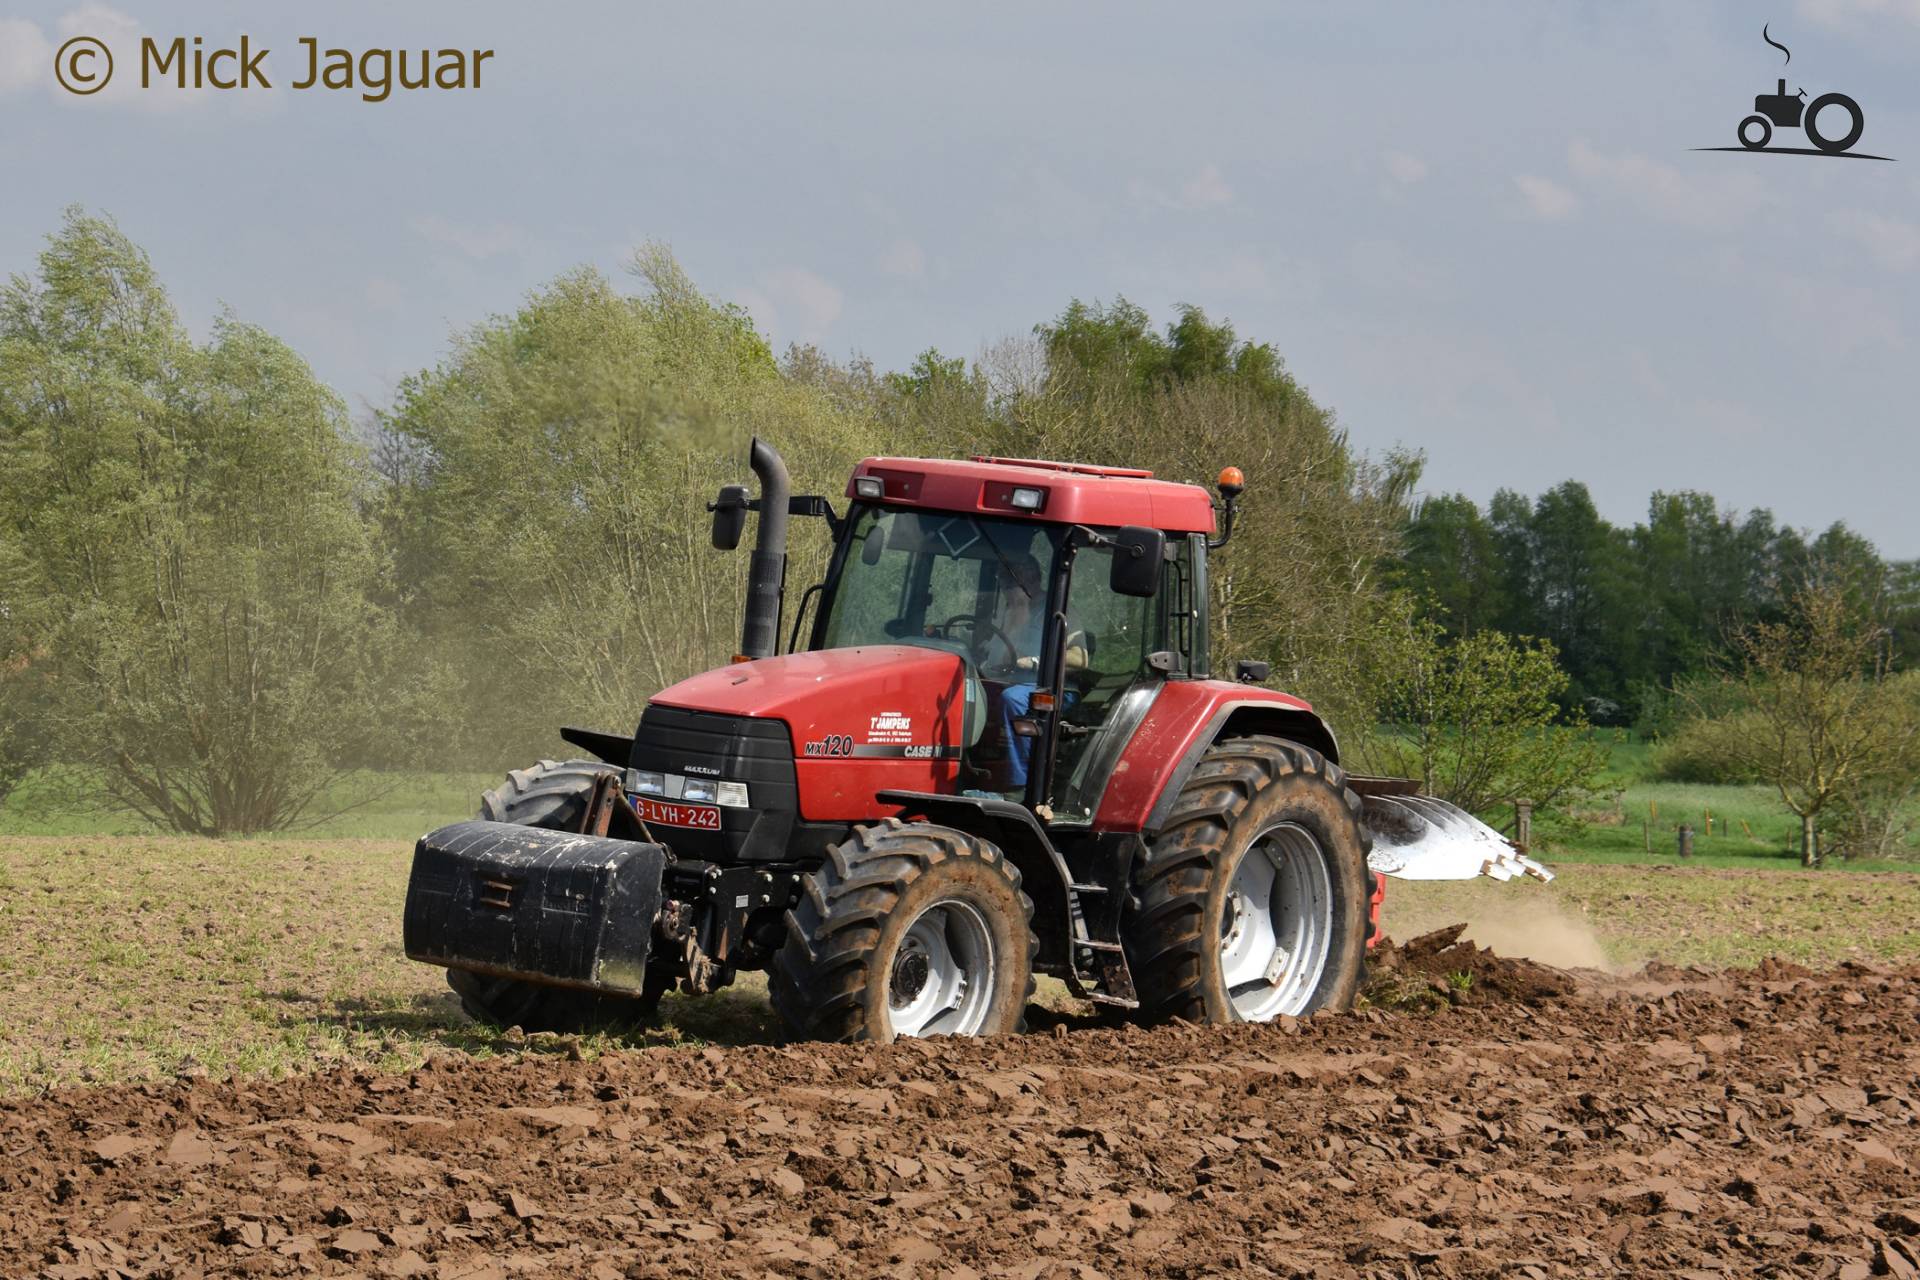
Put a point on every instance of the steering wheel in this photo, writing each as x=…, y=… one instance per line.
x=978, y=645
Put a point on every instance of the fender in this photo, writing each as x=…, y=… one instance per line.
x=1018, y=834
x=1188, y=717
x=610, y=747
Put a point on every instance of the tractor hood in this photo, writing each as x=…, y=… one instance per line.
x=898, y=701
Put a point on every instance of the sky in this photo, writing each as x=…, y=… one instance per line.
x=1477, y=230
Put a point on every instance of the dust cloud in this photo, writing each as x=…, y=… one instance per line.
x=1545, y=933
x=1540, y=930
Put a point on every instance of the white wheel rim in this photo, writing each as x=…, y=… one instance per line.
x=940, y=982
x=1276, y=930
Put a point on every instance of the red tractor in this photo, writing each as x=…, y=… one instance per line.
x=1002, y=751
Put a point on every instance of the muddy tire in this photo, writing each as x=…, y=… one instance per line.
x=553, y=795
x=1252, y=900
x=906, y=930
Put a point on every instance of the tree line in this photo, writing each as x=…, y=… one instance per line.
x=1633, y=612
x=225, y=606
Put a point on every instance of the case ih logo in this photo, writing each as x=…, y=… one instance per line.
x=890, y=726
x=1833, y=122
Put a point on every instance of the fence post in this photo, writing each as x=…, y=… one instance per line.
x=1686, y=840
x=1523, y=824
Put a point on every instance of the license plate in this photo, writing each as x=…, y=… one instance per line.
x=699, y=816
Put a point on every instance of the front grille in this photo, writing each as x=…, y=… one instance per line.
x=673, y=740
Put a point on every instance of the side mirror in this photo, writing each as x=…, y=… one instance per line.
x=729, y=516
x=1138, y=554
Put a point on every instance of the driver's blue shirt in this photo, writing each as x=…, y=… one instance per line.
x=1017, y=699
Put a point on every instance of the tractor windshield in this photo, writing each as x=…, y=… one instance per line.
x=972, y=584
x=979, y=586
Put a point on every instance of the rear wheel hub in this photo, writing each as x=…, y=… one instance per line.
x=1277, y=927
x=910, y=969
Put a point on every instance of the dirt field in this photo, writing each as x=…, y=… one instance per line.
x=1762, y=1123
x=1479, y=1117
x=131, y=959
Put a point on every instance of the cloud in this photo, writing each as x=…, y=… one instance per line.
x=475, y=242
x=904, y=259
x=1546, y=198
x=26, y=56
x=1204, y=190
x=1894, y=243
x=1702, y=199
x=1405, y=169
x=793, y=303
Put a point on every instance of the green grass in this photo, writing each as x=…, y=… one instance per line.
x=1636, y=823
x=362, y=806
x=136, y=958
x=1733, y=826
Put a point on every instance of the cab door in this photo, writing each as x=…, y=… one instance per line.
x=1109, y=697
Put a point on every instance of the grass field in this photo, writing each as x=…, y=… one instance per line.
x=371, y=806
x=133, y=958
x=1733, y=826
x=1636, y=822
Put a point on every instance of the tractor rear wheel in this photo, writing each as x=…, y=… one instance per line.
x=553, y=794
x=906, y=930
x=1252, y=901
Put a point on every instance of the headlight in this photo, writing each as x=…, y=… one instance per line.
x=733, y=795
x=869, y=487
x=699, y=791
x=1028, y=499
x=646, y=783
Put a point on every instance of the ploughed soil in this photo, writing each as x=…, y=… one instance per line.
x=1530, y=1123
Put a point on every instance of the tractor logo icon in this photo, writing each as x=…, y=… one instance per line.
x=1833, y=122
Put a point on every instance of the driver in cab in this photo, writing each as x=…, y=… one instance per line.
x=1020, y=616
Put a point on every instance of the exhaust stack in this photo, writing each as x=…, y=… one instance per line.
x=767, y=572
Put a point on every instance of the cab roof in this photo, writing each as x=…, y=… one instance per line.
x=1072, y=493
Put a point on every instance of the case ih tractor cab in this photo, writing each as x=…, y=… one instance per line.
x=1001, y=751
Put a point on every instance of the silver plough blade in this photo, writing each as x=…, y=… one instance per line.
x=1421, y=838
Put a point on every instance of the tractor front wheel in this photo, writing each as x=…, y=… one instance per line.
x=554, y=795
x=1252, y=901
x=906, y=930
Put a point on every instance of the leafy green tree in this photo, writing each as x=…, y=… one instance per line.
x=1809, y=706
x=1300, y=583
x=1452, y=558
x=1476, y=721
x=1090, y=343
x=1568, y=580
x=24, y=744
x=193, y=577
x=552, y=527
